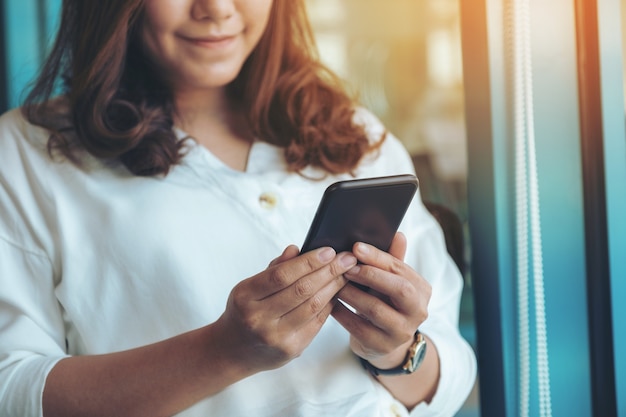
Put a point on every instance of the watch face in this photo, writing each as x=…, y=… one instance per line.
x=414, y=359
x=419, y=356
x=417, y=353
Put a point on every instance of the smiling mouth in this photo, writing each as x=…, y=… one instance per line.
x=212, y=42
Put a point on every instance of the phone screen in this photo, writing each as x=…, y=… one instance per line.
x=363, y=210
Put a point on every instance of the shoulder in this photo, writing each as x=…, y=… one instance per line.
x=24, y=144
x=27, y=169
x=19, y=135
x=391, y=157
x=22, y=178
x=370, y=122
x=23, y=149
x=12, y=124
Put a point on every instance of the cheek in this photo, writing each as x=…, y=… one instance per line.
x=259, y=13
x=160, y=18
x=160, y=13
x=156, y=36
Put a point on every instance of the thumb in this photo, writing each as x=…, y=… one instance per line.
x=398, y=246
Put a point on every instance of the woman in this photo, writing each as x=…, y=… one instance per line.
x=142, y=212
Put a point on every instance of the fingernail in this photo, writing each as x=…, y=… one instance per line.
x=326, y=254
x=363, y=248
x=354, y=270
x=347, y=260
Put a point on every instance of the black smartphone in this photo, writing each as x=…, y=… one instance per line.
x=366, y=210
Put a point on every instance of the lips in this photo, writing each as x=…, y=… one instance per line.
x=212, y=41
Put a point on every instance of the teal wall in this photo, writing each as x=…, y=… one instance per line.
x=28, y=28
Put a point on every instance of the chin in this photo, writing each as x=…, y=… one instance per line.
x=213, y=79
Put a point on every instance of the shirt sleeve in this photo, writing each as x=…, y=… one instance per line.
x=456, y=357
x=31, y=330
x=428, y=255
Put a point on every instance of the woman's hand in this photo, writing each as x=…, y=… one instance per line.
x=272, y=317
x=387, y=316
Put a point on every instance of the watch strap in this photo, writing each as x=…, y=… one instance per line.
x=414, y=358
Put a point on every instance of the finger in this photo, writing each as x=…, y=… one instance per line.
x=354, y=323
x=371, y=255
x=398, y=246
x=310, y=294
x=284, y=272
x=295, y=339
x=315, y=310
x=290, y=252
x=312, y=327
x=377, y=329
x=408, y=292
x=370, y=307
x=367, y=335
x=307, y=285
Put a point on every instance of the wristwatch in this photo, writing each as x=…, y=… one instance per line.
x=414, y=358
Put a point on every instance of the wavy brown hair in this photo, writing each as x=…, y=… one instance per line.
x=120, y=109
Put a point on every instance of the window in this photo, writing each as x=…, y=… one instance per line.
x=572, y=79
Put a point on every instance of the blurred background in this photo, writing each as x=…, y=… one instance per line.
x=403, y=58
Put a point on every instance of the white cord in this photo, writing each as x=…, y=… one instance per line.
x=521, y=195
x=527, y=203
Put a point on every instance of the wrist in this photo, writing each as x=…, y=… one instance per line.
x=413, y=357
x=392, y=359
x=225, y=354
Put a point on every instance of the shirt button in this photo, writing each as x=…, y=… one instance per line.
x=395, y=411
x=268, y=200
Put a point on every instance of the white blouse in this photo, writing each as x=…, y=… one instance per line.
x=96, y=260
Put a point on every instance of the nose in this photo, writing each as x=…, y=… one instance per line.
x=214, y=10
